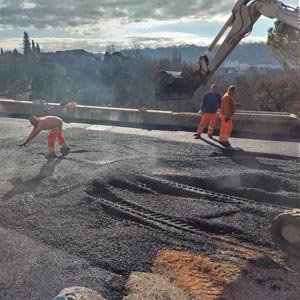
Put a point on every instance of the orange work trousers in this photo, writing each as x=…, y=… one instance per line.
x=211, y=117
x=226, y=129
x=56, y=133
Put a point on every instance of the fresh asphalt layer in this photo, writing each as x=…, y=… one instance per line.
x=59, y=228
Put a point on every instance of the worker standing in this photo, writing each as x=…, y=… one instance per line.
x=210, y=104
x=228, y=108
x=54, y=125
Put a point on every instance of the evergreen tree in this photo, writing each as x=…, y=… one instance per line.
x=26, y=44
x=284, y=42
x=2, y=51
x=33, y=46
x=38, y=50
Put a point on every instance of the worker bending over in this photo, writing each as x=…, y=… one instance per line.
x=54, y=125
x=228, y=108
x=210, y=104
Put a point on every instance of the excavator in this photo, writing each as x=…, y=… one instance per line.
x=170, y=85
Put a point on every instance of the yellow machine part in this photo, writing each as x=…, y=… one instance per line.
x=285, y=232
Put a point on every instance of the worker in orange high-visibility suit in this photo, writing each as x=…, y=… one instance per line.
x=210, y=104
x=71, y=106
x=54, y=125
x=228, y=108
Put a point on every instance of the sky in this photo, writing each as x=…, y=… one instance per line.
x=92, y=25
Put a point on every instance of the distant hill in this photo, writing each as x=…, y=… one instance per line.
x=250, y=53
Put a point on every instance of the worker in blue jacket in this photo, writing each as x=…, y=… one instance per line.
x=210, y=104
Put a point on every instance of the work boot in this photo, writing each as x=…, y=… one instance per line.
x=65, y=146
x=210, y=136
x=51, y=154
x=225, y=144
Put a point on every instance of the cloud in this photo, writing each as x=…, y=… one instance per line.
x=76, y=13
x=121, y=22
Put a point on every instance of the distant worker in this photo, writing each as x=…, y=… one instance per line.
x=210, y=104
x=70, y=106
x=228, y=108
x=54, y=125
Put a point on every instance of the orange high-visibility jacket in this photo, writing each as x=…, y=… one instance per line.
x=71, y=105
x=228, y=105
x=45, y=123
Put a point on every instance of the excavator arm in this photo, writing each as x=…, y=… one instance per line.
x=182, y=85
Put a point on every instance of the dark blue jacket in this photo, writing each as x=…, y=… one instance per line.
x=211, y=102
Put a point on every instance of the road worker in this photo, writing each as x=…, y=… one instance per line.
x=228, y=108
x=71, y=106
x=54, y=125
x=210, y=104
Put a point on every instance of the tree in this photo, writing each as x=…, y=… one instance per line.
x=136, y=51
x=38, y=87
x=15, y=53
x=59, y=74
x=117, y=56
x=26, y=44
x=120, y=94
x=2, y=51
x=284, y=41
x=33, y=46
x=16, y=88
x=176, y=58
x=13, y=88
x=107, y=57
x=110, y=48
x=277, y=92
x=38, y=50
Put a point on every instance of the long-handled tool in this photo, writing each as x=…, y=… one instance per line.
x=10, y=153
x=23, y=144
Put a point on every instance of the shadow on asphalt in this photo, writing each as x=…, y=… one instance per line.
x=267, y=137
x=216, y=145
x=256, y=135
x=249, y=159
x=20, y=186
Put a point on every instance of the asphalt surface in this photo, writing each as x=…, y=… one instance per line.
x=56, y=230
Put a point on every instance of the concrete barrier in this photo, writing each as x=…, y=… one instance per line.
x=244, y=121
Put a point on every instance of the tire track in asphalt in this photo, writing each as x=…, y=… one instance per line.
x=160, y=183
x=201, y=227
